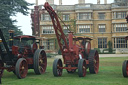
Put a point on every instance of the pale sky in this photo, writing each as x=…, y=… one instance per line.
x=25, y=21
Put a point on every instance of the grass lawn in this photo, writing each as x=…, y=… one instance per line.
x=110, y=73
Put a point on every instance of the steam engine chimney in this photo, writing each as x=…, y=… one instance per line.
x=81, y=1
x=50, y=1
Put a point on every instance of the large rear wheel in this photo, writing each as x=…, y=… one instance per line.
x=40, y=61
x=125, y=68
x=93, y=62
x=57, y=70
x=21, y=68
x=81, y=68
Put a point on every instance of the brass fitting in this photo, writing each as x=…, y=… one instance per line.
x=0, y=40
x=11, y=31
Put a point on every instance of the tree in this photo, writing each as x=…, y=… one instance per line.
x=110, y=49
x=10, y=8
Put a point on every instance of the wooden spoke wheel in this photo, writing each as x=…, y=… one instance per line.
x=93, y=62
x=57, y=64
x=40, y=61
x=21, y=68
x=125, y=68
x=1, y=70
x=81, y=68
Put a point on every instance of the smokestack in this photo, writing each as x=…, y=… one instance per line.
x=98, y=1
x=36, y=2
x=81, y=1
x=60, y=2
x=105, y=1
x=50, y=1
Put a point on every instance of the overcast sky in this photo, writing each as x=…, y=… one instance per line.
x=25, y=21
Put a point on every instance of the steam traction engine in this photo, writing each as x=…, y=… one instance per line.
x=25, y=54
x=125, y=63
x=76, y=51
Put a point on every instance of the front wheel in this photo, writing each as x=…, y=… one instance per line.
x=81, y=68
x=57, y=67
x=21, y=68
x=125, y=68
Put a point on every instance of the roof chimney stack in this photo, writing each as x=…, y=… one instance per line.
x=98, y=1
x=81, y=1
x=36, y=2
x=50, y=1
x=60, y=2
x=105, y=1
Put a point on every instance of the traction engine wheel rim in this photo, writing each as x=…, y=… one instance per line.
x=21, y=68
x=93, y=62
x=40, y=61
x=57, y=64
x=1, y=70
x=96, y=62
x=81, y=68
x=125, y=68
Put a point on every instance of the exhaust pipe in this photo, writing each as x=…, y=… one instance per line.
x=11, y=33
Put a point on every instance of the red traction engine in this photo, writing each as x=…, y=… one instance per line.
x=23, y=53
x=125, y=63
x=76, y=51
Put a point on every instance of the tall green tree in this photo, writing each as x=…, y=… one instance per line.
x=10, y=8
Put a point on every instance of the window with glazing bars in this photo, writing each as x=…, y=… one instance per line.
x=48, y=30
x=102, y=42
x=120, y=27
x=120, y=43
x=84, y=28
x=101, y=15
x=102, y=28
x=66, y=17
x=84, y=16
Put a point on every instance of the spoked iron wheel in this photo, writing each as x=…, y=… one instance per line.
x=81, y=68
x=21, y=68
x=125, y=68
x=40, y=61
x=57, y=64
x=93, y=62
x=1, y=70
